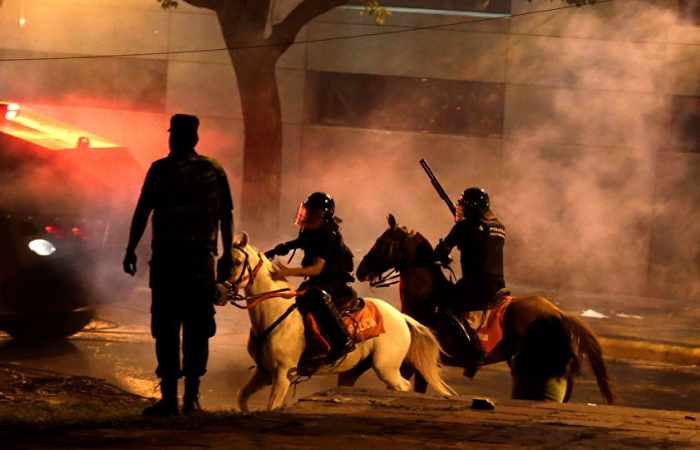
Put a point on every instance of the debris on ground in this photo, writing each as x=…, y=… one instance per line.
x=628, y=316
x=593, y=314
x=40, y=396
x=483, y=403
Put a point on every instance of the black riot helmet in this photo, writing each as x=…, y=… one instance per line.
x=473, y=202
x=318, y=204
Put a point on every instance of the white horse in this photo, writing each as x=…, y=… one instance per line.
x=278, y=336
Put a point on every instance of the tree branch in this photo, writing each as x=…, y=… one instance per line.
x=286, y=31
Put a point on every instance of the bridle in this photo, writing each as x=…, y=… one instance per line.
x=250, y=302
x=393, y=275
x=247, y=276
x=386, y=279
x=252, y=273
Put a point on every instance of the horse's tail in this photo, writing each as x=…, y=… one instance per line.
x=588, y=344
x=424, y=355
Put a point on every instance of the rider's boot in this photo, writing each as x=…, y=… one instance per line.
x=476, y=354
x=319, y=303
x=167, y=405
x=337, y=335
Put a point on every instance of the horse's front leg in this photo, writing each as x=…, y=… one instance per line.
x=280, y=386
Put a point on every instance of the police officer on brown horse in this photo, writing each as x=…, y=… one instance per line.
x=480, y=237
x=327, y=266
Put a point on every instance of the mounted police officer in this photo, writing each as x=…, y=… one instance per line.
x=327, y=266
x=480, y=237
x=190, y=198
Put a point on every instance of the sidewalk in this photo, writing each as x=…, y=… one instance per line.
x=633, y=327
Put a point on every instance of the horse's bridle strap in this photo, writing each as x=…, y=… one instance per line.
x=252, y=272
x=254, y=300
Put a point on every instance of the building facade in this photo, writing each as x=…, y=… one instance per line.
x=582, y=122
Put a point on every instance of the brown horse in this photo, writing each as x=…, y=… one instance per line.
x=542, y=344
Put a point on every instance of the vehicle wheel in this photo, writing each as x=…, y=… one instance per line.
x=47, y=326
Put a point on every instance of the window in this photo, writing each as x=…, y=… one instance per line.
x=685, y=124
x=406, y=103
x=689, y=11
x=133, y=83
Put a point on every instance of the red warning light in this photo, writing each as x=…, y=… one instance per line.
x=51, y=229
x=76, y=231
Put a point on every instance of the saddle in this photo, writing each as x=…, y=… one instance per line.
x=362, y=321
x=473, y=333
x=488, y=324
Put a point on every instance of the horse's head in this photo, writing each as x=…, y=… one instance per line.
x=247, y=263
x=387, y=253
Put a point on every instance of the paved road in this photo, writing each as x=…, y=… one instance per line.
x=370, y=420
x=121, y=351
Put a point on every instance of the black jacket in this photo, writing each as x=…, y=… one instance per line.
x=480, y=242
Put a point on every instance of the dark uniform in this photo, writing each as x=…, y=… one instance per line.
x=480, y=238
x=325, y=242
x=187, y=196
x=190, y=198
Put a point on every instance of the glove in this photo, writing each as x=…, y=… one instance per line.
x=223, y=267
x=280, y=249
x=442, y=253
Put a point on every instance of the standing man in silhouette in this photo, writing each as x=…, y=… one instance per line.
x=190, y=198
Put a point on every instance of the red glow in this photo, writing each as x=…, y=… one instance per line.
x=76, y=231
x=47, y=132
x=51, y=229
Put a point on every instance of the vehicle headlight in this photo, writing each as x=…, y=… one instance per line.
x=42, y=247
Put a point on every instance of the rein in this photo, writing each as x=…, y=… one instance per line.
x=393, y=276
x=386, y=279
x=251, y=301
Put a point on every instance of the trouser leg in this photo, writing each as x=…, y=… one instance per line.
x=318, y=302
x=331, y=324
x=166, y=331
x=195, y=346
x=198, y=327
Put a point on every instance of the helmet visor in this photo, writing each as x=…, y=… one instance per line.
x=302, y=216
x=459, y=209
x=459, y=212
x=307, y=217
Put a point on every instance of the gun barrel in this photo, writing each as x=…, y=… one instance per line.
x=438, y=187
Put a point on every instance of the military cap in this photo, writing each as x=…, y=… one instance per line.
x=184, y=123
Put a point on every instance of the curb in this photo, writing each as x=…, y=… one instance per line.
x=650, y=351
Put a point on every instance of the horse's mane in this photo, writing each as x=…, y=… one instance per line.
x=420, y=254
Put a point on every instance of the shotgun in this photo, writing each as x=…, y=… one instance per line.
x=438, y=187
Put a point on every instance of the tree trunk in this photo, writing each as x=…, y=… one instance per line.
x=262, y=154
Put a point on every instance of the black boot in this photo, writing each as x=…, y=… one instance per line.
x=167, y=405
x=335, y=332
x=475, y=354
x=190, y=404
x=319, y=303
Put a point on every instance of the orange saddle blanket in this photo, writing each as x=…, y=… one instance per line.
x=488, y=324
x=361, y=325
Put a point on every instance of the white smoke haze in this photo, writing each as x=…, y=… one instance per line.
x=578, y=177
x=581, y=176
